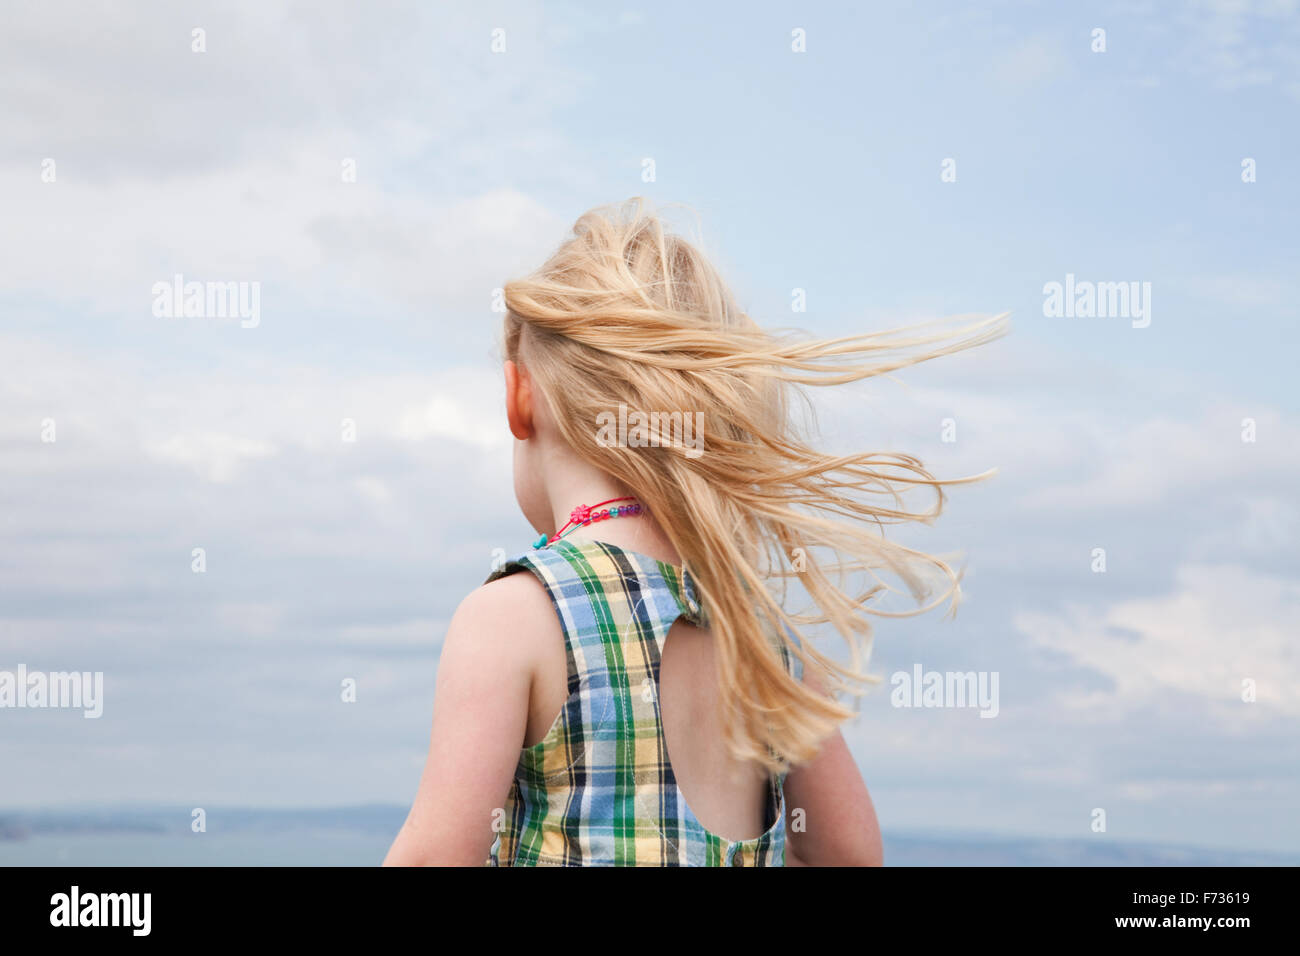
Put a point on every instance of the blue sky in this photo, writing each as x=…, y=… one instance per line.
x=817, y=170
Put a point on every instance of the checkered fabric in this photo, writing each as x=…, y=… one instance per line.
x=599, y=790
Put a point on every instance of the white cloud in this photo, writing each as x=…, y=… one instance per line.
x=1152, y=460
x=1242, y=43
x=227, y=165
x=287, y=223
x=1222, y=625
x=1031, y=64
x=215, y=456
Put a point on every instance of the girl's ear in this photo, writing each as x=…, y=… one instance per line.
x=519, y=401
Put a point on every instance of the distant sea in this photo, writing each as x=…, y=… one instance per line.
x=360, y=836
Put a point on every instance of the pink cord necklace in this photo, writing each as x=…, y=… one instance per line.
x=584, y=515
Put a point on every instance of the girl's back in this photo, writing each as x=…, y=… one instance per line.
x=631, y=766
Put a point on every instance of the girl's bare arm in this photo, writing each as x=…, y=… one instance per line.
x=480, y=717
x=837, y=825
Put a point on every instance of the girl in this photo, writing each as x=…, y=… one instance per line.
x=633, y=689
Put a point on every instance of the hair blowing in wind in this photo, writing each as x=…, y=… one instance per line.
x=626, y=312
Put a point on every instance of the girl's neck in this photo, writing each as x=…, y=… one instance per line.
x=640, y=533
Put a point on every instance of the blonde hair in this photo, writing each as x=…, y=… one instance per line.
x=626, y=313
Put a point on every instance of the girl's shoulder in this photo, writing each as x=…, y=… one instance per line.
x=507, y=624
x=504, y=597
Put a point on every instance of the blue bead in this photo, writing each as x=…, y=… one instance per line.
x=540, y=542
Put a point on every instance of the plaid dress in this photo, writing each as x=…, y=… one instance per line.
x=599, y=790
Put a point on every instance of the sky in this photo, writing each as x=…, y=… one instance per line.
x=896, y=162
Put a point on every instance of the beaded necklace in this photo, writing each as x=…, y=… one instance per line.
x=584, y=515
